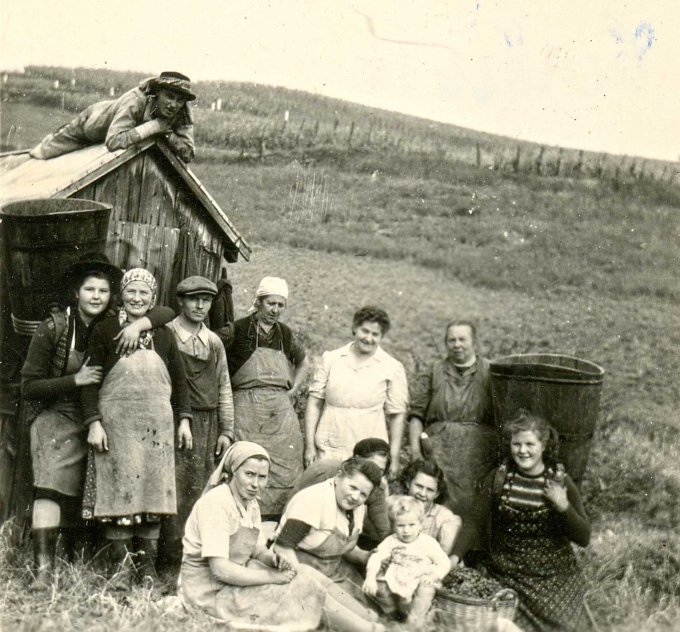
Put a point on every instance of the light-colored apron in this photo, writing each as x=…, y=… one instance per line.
x=265, y=415
x=287, y=607
x=58, y=440
x=137, y=474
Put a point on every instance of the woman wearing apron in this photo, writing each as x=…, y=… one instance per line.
x=267, y=367
x=54, y=372
x=452, y=402
x=131, y=416
x=226, y=574
x=359, y=391
x=322, y=524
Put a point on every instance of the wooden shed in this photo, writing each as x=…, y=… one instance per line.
x=161, y=214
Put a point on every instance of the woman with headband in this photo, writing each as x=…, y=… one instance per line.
x=267, y=367
x=229, y=576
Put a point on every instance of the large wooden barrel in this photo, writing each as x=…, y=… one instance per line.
x=562, y=389
x=42, y=237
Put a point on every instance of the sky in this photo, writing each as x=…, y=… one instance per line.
x=602, y=75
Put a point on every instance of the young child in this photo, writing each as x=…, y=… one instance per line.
x=404, y=570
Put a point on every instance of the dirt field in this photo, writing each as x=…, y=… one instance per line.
x=543, y=265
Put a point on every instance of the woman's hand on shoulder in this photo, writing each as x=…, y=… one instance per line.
x=96, y=437
x=128, y=338
x=88, y=375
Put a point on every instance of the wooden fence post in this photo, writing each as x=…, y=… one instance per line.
x=351, y=133
x=515, y=162
x=578, y=167
x=538, y=163
x=478, y=156
x=299, y=134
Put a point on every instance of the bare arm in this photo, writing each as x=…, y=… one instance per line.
x=229, y=572
x=298, y=377
x=357, y=556
x=312, y=416
x=415, y=429
x=396, y=425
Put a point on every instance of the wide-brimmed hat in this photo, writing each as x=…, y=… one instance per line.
x=92, y=262
x=173, y=81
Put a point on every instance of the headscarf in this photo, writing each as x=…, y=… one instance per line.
x=138, y=274
x=235, y=456
x=270, y=285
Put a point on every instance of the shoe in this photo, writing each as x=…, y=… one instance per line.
x=44, y=551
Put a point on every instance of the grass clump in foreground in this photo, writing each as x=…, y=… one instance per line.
x=80, y=599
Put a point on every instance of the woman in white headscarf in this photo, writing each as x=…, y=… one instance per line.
x=131, y=418
x=228, y=575
x=266, y=368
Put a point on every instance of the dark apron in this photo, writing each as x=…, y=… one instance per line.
x=59, y=441
x=327, y=559
x=466, y=452
x=137, y=474
x=527, y=556
x=265, y=415
x=193, y=467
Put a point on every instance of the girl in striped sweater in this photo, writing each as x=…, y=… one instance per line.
x=531, y=513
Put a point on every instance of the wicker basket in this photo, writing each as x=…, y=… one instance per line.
x=467, y=614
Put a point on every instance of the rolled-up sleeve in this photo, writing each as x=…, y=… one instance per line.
x=421, y=392
x=126, y=126
x=317, y=387
x=397, y=391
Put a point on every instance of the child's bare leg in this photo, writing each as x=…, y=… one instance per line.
x=421, y=603
x=385, y=599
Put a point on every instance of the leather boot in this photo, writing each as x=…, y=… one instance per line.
x=146, y=555
x=121, y=564
x=44, y=550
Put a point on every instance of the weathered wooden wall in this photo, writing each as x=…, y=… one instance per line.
x=146, y=220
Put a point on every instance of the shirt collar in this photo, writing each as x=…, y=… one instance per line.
x=185, y=335
x=378, y=356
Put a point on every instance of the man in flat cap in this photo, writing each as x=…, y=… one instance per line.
x=212, y=405
x=157, y=107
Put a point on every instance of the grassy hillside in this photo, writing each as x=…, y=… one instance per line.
x=562, y=260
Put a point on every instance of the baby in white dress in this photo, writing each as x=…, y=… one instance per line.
x=406, y=567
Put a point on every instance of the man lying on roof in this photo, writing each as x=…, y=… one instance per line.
x=157, y=107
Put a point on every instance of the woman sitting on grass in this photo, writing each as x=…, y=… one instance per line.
x=531, y=511
x=225, y=572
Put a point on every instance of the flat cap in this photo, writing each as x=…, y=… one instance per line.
x=196, y=285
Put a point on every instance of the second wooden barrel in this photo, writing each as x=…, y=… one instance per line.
x=564, y=390
x=42, y=237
